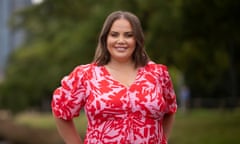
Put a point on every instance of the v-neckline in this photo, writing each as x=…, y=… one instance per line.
x=106, y=71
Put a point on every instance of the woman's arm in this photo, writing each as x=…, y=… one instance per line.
x=68, y=132
x=168, y=121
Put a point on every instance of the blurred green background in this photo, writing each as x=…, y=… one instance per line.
x=198, y=40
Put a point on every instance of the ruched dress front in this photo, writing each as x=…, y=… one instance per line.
x=117, y=114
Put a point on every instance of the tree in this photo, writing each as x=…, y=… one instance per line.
x=210, y=45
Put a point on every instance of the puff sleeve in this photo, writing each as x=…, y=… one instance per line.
x=168, y=90
x=69, y=98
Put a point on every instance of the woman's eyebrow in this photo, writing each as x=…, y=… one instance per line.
x=129, y=32
x=113, y=31
x=124, y=32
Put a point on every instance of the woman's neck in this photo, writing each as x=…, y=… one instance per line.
x=117, y=65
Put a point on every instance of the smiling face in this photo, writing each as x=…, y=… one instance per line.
x=131, y=48
x=121, y=42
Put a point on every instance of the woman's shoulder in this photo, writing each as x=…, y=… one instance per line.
x=157, y=67
x=158, y=70
x=83, y=69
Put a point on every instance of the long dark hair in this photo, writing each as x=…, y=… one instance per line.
x=102, y=56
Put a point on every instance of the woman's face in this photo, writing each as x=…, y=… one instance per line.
x=121, y=41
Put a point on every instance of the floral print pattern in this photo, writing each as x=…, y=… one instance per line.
x=117, y=114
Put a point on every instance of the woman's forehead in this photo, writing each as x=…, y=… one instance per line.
x=121, y=24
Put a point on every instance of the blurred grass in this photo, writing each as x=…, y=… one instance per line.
x=203, y=126
x=46, y=121
x=198, y=126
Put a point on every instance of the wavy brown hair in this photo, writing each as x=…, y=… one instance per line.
x=102, y=56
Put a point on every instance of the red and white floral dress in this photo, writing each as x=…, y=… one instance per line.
x=117, y=114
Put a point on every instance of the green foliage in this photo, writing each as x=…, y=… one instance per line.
x=54, y=47
x=197, y=39
x=210, y=45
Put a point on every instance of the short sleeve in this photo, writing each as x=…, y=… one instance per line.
x=69, y=98
x=168, y=91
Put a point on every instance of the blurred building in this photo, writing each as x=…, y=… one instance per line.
x=9, y=38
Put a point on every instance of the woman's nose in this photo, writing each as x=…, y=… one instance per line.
x=121, y=39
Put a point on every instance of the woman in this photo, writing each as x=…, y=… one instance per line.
x=127, y=98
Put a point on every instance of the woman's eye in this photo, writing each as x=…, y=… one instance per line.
x=129, y=35
x=113, y=34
